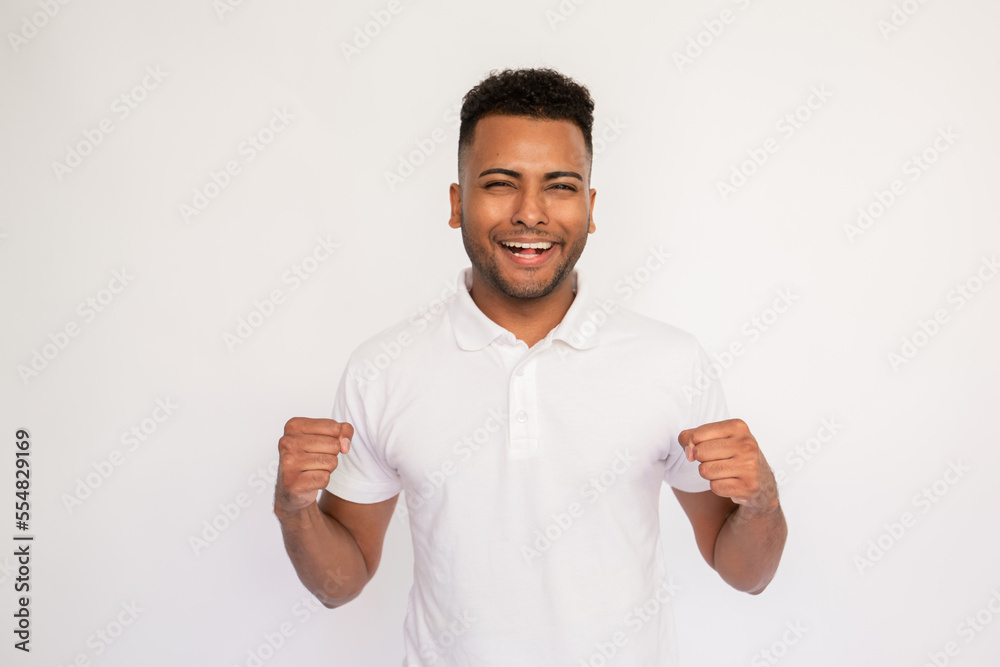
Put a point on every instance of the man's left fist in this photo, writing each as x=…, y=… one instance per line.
x=732, y=462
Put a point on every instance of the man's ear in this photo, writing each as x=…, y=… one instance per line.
x=455, y=194
x=592, y=228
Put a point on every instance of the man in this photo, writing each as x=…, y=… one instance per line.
x=531, y=429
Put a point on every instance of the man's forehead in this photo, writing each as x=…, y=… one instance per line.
x=527, y=135
x=508, y=123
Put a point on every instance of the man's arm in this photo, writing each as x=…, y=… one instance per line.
x=335, y=545
x=738, y=525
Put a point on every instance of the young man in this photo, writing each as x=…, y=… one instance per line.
x=531, y=428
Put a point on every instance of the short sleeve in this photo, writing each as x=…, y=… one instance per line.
x=362, y=474
x=707, y=404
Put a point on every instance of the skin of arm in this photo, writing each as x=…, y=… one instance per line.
x=739, y=526
x=336, y=545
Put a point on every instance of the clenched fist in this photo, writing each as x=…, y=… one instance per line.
x=307, y=455
x=732, y=462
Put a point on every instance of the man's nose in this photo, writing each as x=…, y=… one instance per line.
x=530, y=210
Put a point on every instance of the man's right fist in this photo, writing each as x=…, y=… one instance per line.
x=307, y=454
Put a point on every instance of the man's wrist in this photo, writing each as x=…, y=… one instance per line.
x=755, y=512
x=285, y=513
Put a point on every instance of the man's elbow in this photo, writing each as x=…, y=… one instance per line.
x=339, y=601
x=746, y=583
x=339, y=588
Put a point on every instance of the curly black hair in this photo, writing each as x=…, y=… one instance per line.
x=540, y=93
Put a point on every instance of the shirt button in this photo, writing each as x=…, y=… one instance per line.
x=522, y=416
x=520, y=372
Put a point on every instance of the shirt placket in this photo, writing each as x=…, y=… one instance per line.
x=523, y=418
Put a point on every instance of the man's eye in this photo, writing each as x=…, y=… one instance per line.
x=498, y=183
x=564, y=186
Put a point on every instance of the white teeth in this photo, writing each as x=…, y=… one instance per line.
x=544, y=245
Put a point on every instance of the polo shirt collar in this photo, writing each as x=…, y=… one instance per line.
x=474, y=330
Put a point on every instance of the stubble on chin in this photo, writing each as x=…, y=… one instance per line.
x=484, y=262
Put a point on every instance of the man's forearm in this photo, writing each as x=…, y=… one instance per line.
x=325, y=555
x=749, y=547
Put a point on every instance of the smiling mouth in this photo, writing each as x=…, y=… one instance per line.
x=527, y=250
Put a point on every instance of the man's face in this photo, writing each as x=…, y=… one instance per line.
x=524, y=181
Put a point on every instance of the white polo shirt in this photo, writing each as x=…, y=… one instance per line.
x=531, y=477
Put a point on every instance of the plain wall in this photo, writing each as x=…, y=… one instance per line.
x=809, y=111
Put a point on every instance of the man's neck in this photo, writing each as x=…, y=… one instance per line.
x=530, y=320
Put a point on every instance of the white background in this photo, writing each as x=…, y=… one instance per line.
x=678, y=129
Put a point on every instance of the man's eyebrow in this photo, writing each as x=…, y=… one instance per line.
x=548, y=177
x=562, y=174
x=500, y=170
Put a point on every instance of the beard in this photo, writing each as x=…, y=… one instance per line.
x=484, y=263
